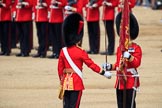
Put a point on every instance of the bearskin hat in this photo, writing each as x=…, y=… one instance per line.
x=134, y=28
x=73, y=29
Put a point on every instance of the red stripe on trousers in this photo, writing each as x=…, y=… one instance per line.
x=79, y=98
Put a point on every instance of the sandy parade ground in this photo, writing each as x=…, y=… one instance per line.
x=33, y=82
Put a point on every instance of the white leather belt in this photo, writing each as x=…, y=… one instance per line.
x=132, y=70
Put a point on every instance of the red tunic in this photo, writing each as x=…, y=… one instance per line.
x=93, y=14
x=109, y=11
x=41, y=15
x=134, y=50
x=79, y=57
x=25, y=13
x=56, y=14
x=5, y=12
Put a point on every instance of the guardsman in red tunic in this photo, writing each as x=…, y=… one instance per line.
x=133, y=57
x=24, y=21
x=5, y=27
x=132, y=4
x=75, y=6
x=55, y=26
x=41, y=20
x=108, y=20
x=70, y=79
x=93, y=17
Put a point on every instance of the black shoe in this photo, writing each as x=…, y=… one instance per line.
x=92, y=52
x=19, y=55
x=56, y=56
x=7, y=54
x=107, y=53
x=25, y=55
x=89, y=52
x=36, y=55
x=43, y=56
x=53, y=56
x=22, y=55
x=2, y=53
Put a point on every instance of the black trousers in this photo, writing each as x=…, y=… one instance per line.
x=110, y=34
x=72, y=99
x=13, y=35
x=55, y=32
x=24, y=33
x=129, y=95
x=42, y=34
x=5, y=35
x=94, y=36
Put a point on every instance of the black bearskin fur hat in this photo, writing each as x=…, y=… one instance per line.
x=134, y=28
x=72, y=29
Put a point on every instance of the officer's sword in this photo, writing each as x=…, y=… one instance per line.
x=106, y=50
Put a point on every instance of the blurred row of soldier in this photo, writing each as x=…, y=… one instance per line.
x=17, y=16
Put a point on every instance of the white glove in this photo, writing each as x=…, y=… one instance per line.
x=21, y=5
x=109, y=4
x=38, y=7
x=53, y=7
x=44, y=4
x=107, y=66
x=68, y=8
x=94, y=5
x=18, y=7
x=127, y=55
x=108, y=74
x=3, y=5
x=25, y=3
x=120, y=5
x=87, y=5
x=106, y=3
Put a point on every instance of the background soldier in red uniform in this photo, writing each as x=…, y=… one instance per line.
x=55, y=26
x=24, y=24
x=41, y=20
x=70, y=79
x=75, y=6
x=108, y=20
x=133, y=59
x=5, y=27
x=93, y=17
